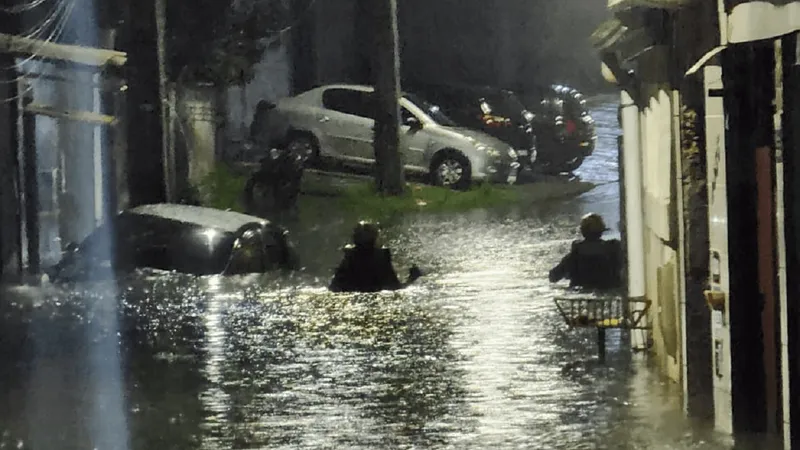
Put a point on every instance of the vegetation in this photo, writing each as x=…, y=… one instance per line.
x=222, y=188
x=364, y=200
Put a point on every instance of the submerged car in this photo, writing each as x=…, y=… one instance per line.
x=181, y=238
x=497, y=112
x=565, y=131
x=336, y=122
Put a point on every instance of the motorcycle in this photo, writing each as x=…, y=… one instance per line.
x=274, y=188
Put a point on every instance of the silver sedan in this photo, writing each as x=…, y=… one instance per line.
x=335, y=121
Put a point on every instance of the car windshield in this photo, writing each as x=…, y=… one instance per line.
x=433, y=111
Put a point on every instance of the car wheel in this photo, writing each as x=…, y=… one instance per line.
x=306, y=146
x=452, y=169
x=572, y=164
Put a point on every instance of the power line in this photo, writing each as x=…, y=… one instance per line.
x=22, y=7
x=37, y=29
x=57, y=32
x=54, y=35
x=19, y=95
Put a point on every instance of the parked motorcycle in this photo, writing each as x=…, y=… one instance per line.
x=273, y=189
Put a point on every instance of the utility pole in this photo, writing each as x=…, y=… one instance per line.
x=389, y=179
x=167, y=154
x=31, y=175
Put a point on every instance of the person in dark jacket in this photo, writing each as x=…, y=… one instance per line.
x=366, y=266
x=592, y=263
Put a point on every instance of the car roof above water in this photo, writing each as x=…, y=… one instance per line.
x=227, y=221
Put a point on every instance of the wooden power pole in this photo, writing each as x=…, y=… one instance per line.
x=389, y=178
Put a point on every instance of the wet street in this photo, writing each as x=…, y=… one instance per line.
x=474, y=356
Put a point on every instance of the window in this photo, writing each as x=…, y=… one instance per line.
x=405, y=115
x=349, y=101
x=430, y=109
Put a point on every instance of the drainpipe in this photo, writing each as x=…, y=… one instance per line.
x=780, y=241
x=634, y=226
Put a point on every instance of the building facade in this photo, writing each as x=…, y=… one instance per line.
x=710, y=188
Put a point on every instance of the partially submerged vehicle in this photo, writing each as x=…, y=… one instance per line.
x=179, y=238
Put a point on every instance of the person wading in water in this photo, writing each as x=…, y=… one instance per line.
x=366, y=266
x=592, y=262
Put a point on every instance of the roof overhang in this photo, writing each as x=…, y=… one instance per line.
x=94, y=57
x=613, y=36
x=619, y=5
x=758, y=20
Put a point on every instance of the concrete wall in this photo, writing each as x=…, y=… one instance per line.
x=661, y=258
x=272, y=81
x=195, y=131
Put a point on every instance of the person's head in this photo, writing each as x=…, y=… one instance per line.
x=365, y=234
x=593, y=226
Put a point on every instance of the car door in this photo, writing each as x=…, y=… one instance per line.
x=348, y=122
x=413, y=139
x=335, y=121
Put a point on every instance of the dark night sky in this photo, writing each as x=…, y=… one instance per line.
x=506, y=42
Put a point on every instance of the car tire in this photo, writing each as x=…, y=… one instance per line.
x=305, y=144
x=450, y=168
x=572, y=165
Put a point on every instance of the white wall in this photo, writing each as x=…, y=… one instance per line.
x=661, y=261
x=272, y=81
x=718, y=243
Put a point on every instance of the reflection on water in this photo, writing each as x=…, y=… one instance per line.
x=473, y=357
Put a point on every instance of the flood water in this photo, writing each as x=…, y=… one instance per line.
x=474, y=356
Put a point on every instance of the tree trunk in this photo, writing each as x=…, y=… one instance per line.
x=31, y=172
x=168, y=153
x=388, y=168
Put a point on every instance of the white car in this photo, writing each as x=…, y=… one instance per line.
x=335, y=121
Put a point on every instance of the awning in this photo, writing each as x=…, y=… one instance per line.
x=614, y=37
x=750, y=21
x=17, y=45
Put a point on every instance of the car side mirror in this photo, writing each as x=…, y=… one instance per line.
x=413, y=123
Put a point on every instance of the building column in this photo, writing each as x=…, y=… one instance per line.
x=634, y=218
x=790, y=157
x=696, y=323
x=780, y=241
x=718, y=245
